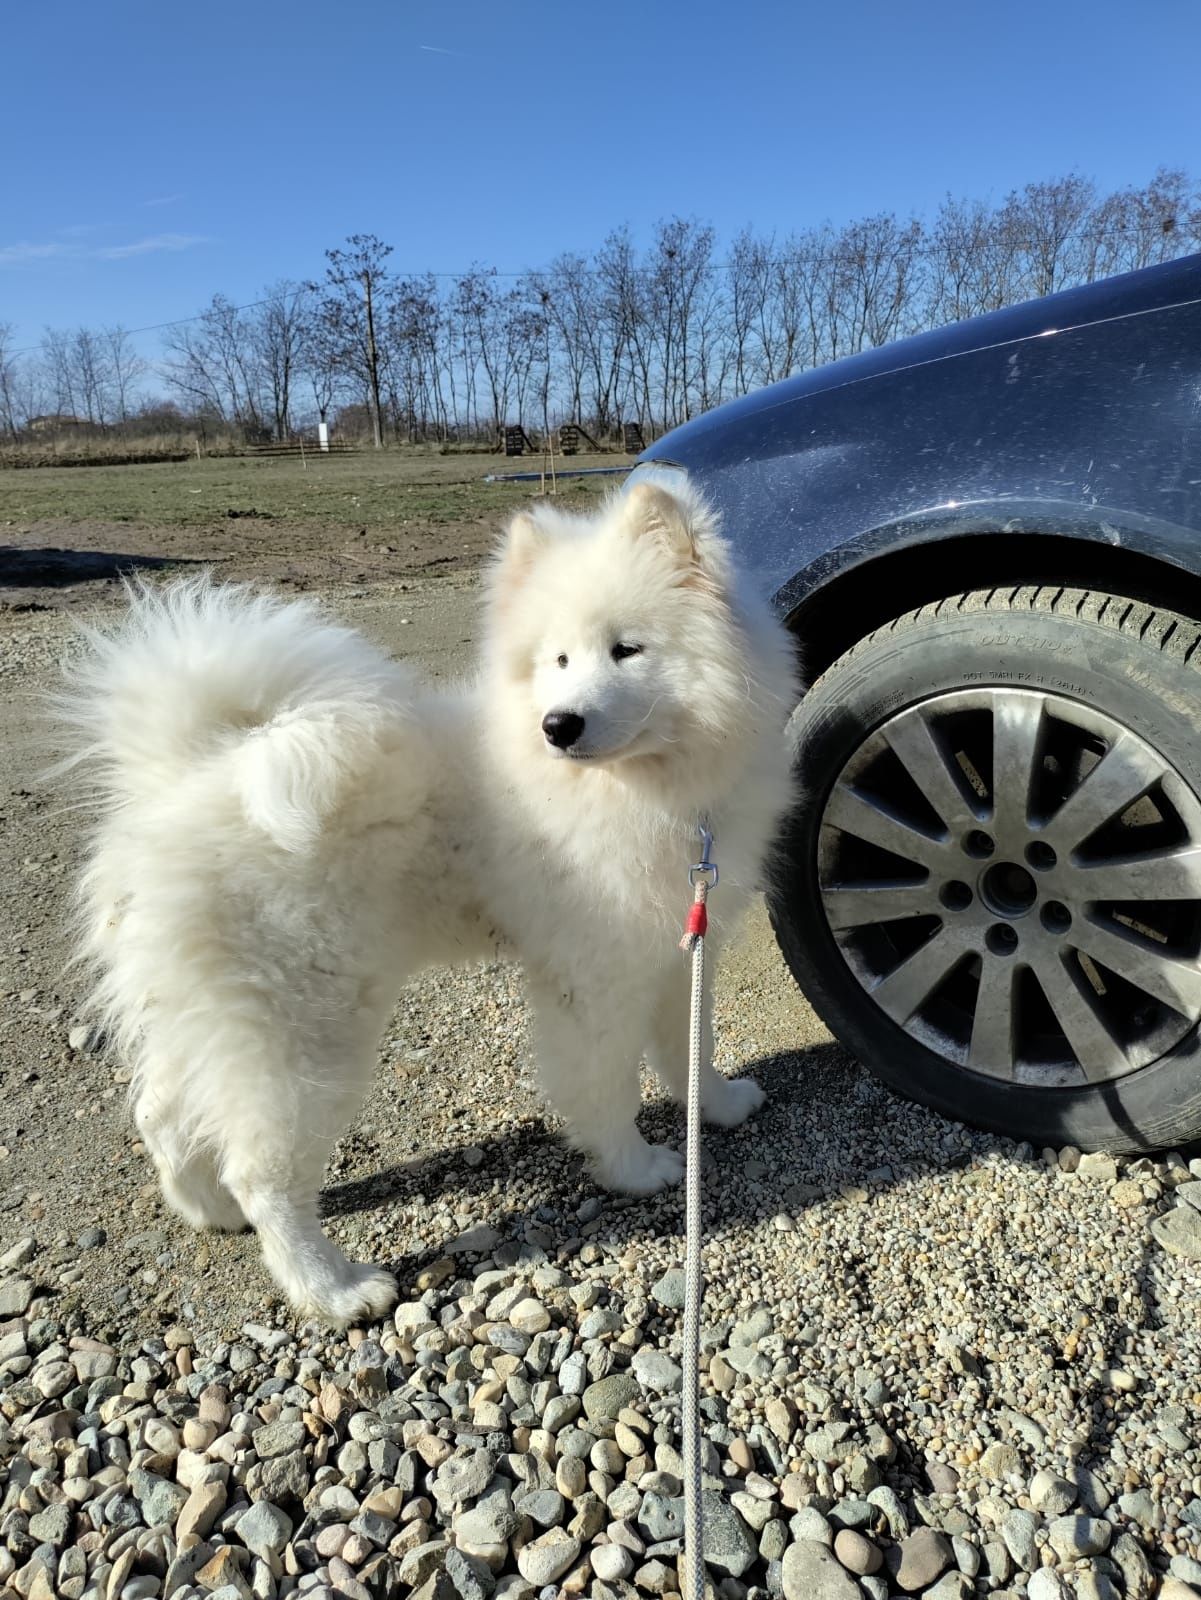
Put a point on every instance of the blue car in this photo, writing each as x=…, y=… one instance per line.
x=987, y=542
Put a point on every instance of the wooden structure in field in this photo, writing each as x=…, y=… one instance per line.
x=517, y=441
x=570, y=434
x=631, y=438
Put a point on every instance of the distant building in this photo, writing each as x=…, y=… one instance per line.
x=53, y=421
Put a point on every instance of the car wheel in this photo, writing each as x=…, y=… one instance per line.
x=991, y=891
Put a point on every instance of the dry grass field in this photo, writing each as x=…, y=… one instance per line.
x=353, y=519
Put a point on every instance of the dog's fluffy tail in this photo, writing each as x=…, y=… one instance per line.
x=201, y=672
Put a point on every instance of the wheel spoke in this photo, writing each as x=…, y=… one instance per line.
x=854, y=905
x=1174, y=876
x=902, y=992
x=991, y=1049
x=855, y=813
x=1017, y=721
x=1092, y=1043
x=1176, y=983
x=1123, y=773
x=916, y=745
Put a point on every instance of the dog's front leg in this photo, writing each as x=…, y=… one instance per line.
x=724, y=1101
x=589, y=1042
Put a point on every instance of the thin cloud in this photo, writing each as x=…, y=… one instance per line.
x=163, y=200
x=145, y=247
x=438, y=50
x=80, y=230
x=12, y=255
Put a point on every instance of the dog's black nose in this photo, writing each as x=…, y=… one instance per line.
x=562, y=728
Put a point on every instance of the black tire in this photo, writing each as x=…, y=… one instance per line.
x=1115, y=659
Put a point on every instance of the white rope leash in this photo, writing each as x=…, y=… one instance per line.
x=703, y=877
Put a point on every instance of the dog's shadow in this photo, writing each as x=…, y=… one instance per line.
x=775, y=1165
x=55, y=567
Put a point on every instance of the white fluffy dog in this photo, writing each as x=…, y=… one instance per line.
x=293, y=825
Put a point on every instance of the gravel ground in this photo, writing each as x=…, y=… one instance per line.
x=937, y=1363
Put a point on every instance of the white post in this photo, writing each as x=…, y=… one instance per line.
x=323, y=435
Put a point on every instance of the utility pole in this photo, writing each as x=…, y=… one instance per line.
x=373, y=364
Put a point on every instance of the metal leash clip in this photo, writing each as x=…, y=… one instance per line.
x=704, y=866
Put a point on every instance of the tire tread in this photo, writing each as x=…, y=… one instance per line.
x=1164, y=632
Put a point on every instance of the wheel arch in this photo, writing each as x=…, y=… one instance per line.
x=837, y=612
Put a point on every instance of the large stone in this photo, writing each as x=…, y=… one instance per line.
x=811, y=1571
x=265, y=1530
x=1018, y=1529
x=917, y=1561
x=1179, y=1232
x=200, y=1510
x=1074, y=1538
x=729, y=1545
x=54, y=1525
x=669, y=1291
x=160, y=1499
x=471, y=1578
x=1138, y=1576
x=1051, y=1494
x=657, y=1372
x=15, y=1295
x=285, y=1477
x=464, y=1477
x=1046, y=1584
x=857, y=1553
x=548, y=1558
x=604, y=1401
x=422, y=1562
x=278, y=1439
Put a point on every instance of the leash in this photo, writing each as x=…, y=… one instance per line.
x=702, y=876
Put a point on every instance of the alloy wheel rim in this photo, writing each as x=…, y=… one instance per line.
x=1014, y=878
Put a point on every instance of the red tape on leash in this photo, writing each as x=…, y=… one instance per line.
x=698, y=920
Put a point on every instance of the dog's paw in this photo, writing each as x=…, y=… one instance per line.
x=732, y=1100
x=364, y=1294
x=641, y=1169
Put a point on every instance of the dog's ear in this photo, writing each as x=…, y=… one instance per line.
x=654, y=512
x=524, y=539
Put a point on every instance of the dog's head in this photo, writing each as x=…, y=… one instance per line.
x=612, y=636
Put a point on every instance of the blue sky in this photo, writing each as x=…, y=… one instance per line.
x=157, y=153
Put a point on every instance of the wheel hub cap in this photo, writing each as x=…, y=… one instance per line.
x=1015, y=880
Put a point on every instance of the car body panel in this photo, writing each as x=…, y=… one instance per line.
x=1078, y=414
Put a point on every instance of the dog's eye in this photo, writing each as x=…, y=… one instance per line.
x=620, y=652
x=562, y=661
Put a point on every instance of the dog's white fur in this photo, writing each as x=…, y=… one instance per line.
x=292, y=825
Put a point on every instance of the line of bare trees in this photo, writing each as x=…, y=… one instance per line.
x=654, y=335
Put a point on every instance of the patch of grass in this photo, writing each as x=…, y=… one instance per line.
x=383, y=493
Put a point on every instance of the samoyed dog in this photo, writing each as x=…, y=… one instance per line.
x=292, y=825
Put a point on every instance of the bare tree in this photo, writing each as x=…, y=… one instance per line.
x=211, y=363
x=357, y=277
x=9, y=381
x=126, y=369
x=1046, y=226
x=277, y=334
